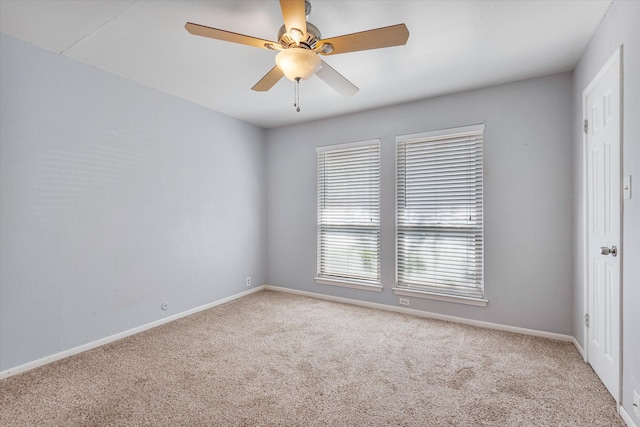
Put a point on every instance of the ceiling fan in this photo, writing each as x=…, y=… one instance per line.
x=299, y=44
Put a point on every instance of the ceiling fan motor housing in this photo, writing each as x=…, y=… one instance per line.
x=313, y=36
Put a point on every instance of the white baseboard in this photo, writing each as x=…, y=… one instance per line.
x=578, y=347
x=478, y=323
x=82, y=348
x=626, y=417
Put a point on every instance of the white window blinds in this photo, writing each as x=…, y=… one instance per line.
x=349, y=212
x=439, y=238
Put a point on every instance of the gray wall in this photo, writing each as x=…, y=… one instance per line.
x=528, y=209
x=619, y=27
x=115, y=198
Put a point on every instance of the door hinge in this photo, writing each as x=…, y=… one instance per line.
x=586, y=126
x=586, y=320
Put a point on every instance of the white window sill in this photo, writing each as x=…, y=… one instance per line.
x=478, y=302
x=348, y=284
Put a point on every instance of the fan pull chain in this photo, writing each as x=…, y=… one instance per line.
x=296, y=95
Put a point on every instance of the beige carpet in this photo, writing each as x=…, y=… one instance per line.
x=278, y=359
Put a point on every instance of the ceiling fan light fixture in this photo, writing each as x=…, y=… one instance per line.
x=298, y=63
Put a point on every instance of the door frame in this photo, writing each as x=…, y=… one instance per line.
x=617, y=56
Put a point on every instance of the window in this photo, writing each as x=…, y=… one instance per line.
x=439, y=236
x=349, y=215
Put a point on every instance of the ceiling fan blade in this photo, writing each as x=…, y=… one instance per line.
x=228, y=36
x=294, y=15
x=336, y=80
x=395, y=35
x=268, y=80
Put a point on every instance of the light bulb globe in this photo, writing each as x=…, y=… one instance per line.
x=298, y=63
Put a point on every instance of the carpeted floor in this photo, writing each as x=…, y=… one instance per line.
x=275, y=359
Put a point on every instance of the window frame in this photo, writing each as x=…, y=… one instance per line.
x=450, y=293
x=368, y=284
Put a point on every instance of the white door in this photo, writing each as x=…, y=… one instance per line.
x=603, y=111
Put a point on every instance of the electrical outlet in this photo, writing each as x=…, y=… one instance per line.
x=636, y=404
x=404, y=301
x=164, y=306
x=247, y=281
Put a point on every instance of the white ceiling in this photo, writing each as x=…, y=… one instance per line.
x=453, y=46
